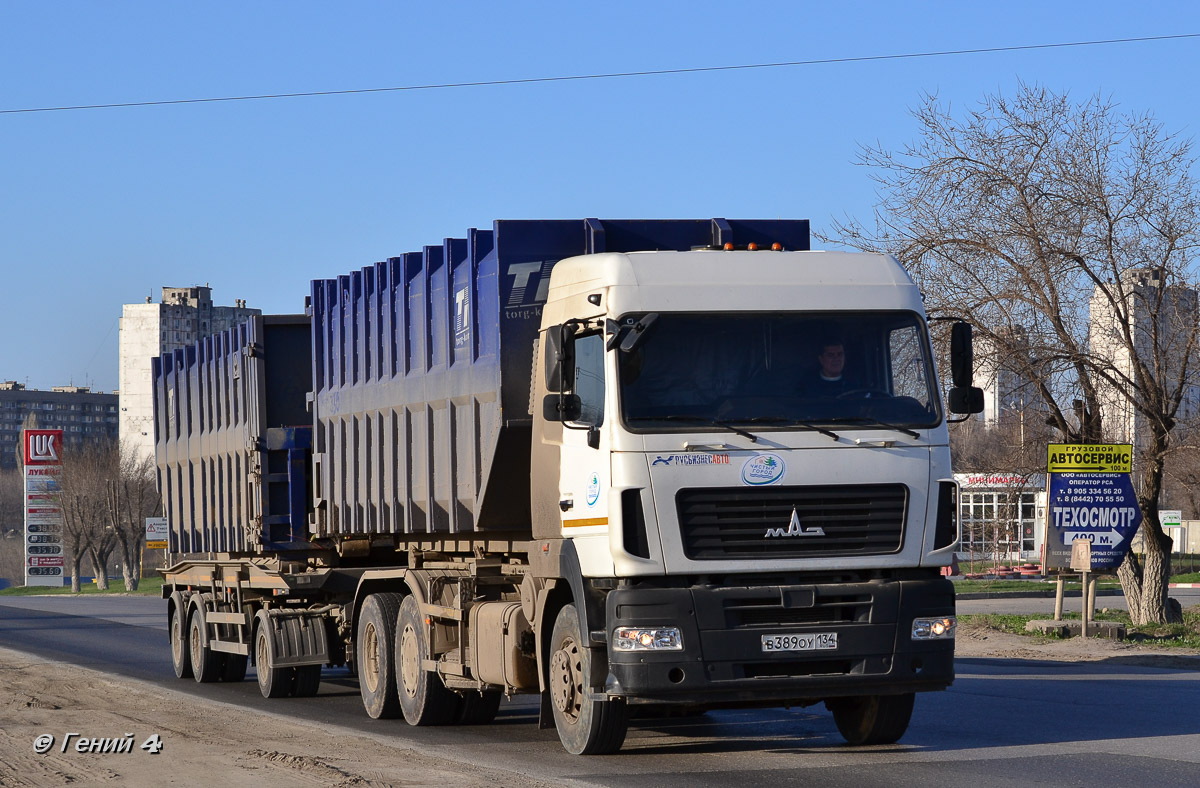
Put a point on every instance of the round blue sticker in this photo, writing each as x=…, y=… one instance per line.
x=593, y=490
x=763, y=469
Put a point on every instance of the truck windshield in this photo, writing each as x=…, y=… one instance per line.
x=778, y=371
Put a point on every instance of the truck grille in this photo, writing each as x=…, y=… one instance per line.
x=834, y=520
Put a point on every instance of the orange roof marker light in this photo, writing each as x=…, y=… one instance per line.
x=752, y=247
x=728, y=246
x=777, y=247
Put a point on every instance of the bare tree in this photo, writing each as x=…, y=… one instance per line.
x=1036, y=216
x=132, y=496
x=12, y=527
x=81, y=497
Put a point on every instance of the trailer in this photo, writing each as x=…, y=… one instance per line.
x=600, y=461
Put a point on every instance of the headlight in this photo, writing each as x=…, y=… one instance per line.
x=639, y=639
x=934, y=628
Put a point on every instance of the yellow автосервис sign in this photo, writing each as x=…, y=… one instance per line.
x=1077, y=458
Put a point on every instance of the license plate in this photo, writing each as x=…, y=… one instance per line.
x=812, y=641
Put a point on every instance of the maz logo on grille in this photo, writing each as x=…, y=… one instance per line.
x=795, y=529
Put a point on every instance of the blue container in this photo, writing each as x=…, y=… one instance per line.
x=233, y=439
x=422, y=368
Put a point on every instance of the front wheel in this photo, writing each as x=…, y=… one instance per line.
x=586, y=726
x=872, y=719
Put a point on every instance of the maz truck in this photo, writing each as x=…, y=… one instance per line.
x=588, y=460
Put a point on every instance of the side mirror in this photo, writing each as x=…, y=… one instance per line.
x=962, y=355
x=562, y=407
x=560, y=358
x=966, y=399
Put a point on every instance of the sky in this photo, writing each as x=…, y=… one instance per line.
x=103, y=207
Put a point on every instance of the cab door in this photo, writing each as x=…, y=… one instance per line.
x=585, y=475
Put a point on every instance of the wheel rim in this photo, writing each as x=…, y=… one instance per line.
x=371, y=657
x=177, y=639
x=260, y=656
x=196, y=646
x=410, y=661
x=566, y=684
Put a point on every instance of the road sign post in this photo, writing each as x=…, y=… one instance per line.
x=1081, y=561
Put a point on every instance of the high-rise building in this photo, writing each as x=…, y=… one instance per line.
x=82, y=415
x=1161, y=321
x=1010, y=393
x=185, y=315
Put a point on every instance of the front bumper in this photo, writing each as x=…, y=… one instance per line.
x=723, y=663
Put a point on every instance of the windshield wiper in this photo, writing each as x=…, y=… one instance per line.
x=700, y=420
x=872, y=423
x=786, y=422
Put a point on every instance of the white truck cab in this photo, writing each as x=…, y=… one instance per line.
x=751, y=527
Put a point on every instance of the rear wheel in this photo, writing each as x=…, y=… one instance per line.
x=308, y=680
x=272, y=682
x=423, y=697
x=207, y=664
x=585, y=726
x=180, y=656
x=872, y=719
x=375, y=650
x=235, y=667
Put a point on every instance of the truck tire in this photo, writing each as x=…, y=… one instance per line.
x=272, y=682
x=180, y=652
x=585, y=726
x=375, y=646
x=872, y=719
x=235, y=667
x=478, y=708
x=308, y=680
x=424, y=699
x=206, y=664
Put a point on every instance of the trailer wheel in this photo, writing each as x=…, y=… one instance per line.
x=424, y=699
x=272, y=682
x=585, y=726
x=478, y=708
x=206, y=664
x=872, y=719
x=180, y=652
x=375, y=647
x=308, y=680
x=235, y=667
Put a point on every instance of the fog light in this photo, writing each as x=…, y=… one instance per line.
x=647, y=639
x=934, y=628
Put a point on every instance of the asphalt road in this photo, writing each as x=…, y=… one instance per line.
x=1004, y=722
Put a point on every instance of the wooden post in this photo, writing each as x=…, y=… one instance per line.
x=1058, y=598
x=1086, y=607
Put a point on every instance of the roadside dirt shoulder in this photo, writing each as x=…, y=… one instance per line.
x=201, y=741
x=979, y=641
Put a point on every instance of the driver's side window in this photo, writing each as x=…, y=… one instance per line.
x=589, y=378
